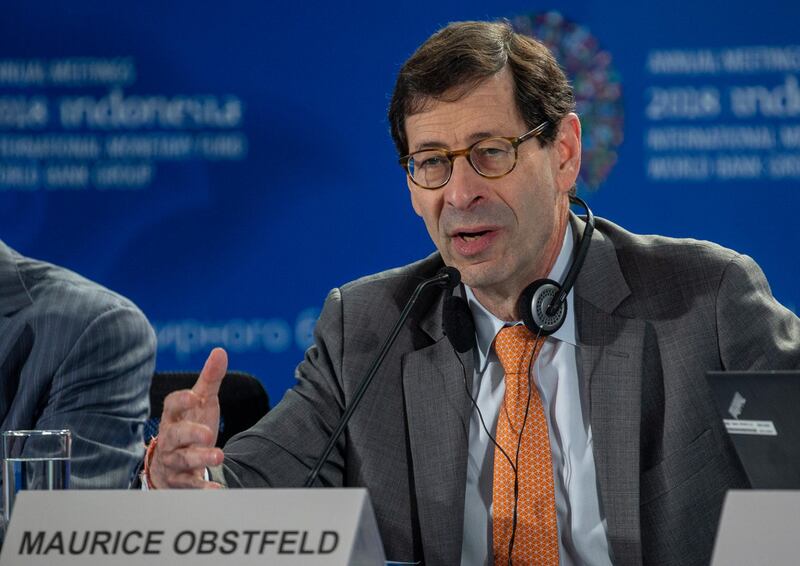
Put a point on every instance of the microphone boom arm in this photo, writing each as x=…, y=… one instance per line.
x=445, y=276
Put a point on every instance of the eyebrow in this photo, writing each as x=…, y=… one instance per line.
x=435, y=144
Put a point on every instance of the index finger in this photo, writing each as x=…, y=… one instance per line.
x=211, y=376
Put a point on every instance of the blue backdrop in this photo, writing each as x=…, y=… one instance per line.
x=198, y=157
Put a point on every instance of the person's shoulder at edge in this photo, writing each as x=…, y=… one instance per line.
x=77, y=296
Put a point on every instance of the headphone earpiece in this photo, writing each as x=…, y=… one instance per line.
x=542, y=304
x=533, y=305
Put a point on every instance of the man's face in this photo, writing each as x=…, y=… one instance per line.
x=504, y=233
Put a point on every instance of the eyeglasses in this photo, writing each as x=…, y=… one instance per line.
x=491, y=158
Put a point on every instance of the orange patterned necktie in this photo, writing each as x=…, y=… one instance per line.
x=536, y=537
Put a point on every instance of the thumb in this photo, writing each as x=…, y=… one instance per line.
x=213, y=371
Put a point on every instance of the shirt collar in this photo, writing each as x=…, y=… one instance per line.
x=487, y=325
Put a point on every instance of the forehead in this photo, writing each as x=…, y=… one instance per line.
x=487, y=110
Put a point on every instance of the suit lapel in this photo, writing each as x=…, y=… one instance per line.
x=14, y=347
x=611, y=350
x=13, y=294
x=437, y=409
x=611, y=362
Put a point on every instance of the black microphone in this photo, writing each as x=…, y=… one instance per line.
x=457, y=323
x=448, y=277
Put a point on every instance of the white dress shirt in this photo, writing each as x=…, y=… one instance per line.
x=581, y=527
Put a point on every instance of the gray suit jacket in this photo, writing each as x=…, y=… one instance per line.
x=653, y=316
x=74, y=355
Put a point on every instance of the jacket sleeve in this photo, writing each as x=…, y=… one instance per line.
x=755, y=331
x=100, y=392
x=282, y=447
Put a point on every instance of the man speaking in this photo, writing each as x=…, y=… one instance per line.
x=524, y=419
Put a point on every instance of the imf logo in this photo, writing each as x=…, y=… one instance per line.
x=737, y=405
x=598, y=93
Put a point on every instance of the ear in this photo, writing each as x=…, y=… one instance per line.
x=568, y=147
x=413, y=193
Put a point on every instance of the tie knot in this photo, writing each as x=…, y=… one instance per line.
x=514, y=346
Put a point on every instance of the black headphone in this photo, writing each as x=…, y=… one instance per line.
x=543, y=303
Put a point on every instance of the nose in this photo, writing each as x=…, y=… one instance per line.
x=465, y=187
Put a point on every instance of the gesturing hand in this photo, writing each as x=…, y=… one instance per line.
x=188, y=431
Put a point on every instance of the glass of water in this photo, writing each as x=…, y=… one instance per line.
x=34, y=459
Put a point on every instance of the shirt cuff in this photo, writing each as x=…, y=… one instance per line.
x=146, y=483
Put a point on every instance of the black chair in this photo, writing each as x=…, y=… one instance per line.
x=242, y=401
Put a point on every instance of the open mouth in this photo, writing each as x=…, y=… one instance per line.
x=473, y=241
x=470, y=236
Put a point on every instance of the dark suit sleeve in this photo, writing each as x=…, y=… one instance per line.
x=100, y=392
x=755, y=331
x=282, y=447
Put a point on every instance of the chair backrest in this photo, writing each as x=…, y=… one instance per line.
x=242, y=401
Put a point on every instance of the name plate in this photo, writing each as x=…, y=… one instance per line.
x=757, y=527
x=214, y=527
